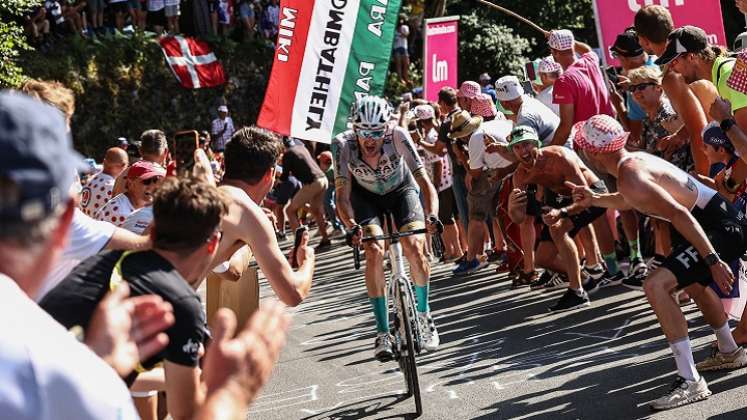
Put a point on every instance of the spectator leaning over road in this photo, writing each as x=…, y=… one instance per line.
x=98, y=190
x=689, y=54
x=222, y=130
x=527, y=111
x=142, y=180
x=427, y=135
x=298, y=161
x=653, y=24
x=486, y=87
x=549, y=71
x=330, y=209
x=251, y=158
x=185, y=235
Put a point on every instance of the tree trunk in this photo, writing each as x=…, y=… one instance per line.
x=435, y=8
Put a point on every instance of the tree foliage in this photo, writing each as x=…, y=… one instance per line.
x=12, y=40
x=486, y=47
x=123, y=86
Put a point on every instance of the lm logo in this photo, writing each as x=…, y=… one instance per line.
x=439, y=70
x=635, y=5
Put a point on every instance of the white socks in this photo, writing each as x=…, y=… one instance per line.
x=683, y=356
x=726, y=343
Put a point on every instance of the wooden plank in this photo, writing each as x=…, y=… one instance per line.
x=242, y=296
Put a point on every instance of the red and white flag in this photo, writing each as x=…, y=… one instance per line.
x=192, y=62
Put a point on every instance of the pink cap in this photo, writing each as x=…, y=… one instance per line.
x=469, y=89
x=600, y=134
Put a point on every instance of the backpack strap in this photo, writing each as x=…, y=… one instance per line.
x=718, y=70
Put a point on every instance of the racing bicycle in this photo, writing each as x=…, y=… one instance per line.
x=404, y=324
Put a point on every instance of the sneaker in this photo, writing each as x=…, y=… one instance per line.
x=591, y=284
x=634, y=281
x=461, y=259
x=541, y=281
x=467, y=267
x=496, y=256
x=722, y=361
x=637, y=267
x=682, y=392
x=557, y=281
x=570, y=300
x=611, y=279
x=596, y=272
x=383, y=347
x=428, y=331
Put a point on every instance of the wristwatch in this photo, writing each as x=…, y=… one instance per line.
x=711, y=259
x=563, y=213
x=727, y=124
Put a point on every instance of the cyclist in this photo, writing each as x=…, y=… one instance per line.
x=377, y=170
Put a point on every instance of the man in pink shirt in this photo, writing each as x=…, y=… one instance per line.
x=580, y=91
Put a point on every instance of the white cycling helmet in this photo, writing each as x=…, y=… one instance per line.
x=371, y=113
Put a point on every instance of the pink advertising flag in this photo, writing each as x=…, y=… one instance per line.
x=440, y=55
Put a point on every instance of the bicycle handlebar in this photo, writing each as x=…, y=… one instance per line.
x=435, y=239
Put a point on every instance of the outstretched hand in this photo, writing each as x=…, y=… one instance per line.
x=582, y=195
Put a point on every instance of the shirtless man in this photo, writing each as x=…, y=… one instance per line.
x=710, y=233
x=653, y=24
x=550, y=167
x=250, y=159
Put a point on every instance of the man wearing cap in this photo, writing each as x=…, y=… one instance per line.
x=142, y=180
x=631, y=55
x=689, y=54
x=653, y=25
x=710, y=233
x=486, y=87
x=527, y=110
x=549, y=72
x=549, y=167
x=222, y=130
x=580, y=91
x=98, y=189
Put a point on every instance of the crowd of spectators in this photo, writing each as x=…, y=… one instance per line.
x=55, y=19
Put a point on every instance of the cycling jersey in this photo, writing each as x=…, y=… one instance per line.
x=398, y=154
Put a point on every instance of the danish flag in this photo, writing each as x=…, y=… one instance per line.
x=192, y=62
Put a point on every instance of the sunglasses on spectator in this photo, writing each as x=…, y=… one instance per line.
x=371, y=134
x=641, y=86
x=151, y=181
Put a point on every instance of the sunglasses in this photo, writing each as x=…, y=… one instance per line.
x=641, y=86
x=371, y=134
x=151, y=181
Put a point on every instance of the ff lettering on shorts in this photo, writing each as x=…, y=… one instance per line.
x=688, y=257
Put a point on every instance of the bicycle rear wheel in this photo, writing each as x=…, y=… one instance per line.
x=408, y=323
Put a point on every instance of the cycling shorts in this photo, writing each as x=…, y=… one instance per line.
x=403, y=203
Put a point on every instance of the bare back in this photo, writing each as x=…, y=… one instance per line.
x=640, y=168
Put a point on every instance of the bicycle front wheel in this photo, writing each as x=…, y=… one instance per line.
x=408, y=323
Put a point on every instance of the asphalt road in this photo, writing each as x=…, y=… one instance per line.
x=502, y=356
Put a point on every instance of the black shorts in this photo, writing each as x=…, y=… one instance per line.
x=403, y=203
x=285, y=190
x=579, y=220
x=446, y=206
x=725, y=227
